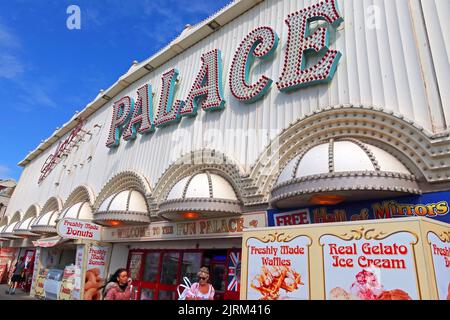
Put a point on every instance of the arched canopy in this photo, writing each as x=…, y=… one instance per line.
x=123, y=201
x=200, y=195
x=46, y=221
x=8, y=230
x=23, y=229
x=79, y=204
x=344, y=169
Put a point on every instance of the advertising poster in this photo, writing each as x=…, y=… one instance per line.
x=370, y=266
x=440, y=251
x=39, y=291
x=79, y=258
x=278, y=268
x=36, y=270
x=432, y=205
x=29, y=259
x=7, y=256
x=135, y=264
x=96, y=270
x=67, y=283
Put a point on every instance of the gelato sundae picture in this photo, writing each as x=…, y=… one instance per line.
x=367, y=287
x=272, y=279
x=396, y=294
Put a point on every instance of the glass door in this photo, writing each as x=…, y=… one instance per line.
x=28, y=270
x=216, y=260
x=157, y=273
x=150, y=276
x=134, y=267
x=170, y=275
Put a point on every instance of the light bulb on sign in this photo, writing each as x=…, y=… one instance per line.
x=190, y=215
x=326, y=199
x=115, y=223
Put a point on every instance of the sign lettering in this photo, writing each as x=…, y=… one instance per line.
x=207, y=89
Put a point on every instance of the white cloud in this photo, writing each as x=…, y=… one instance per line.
x=35, y=94
x=8, y=39
x=10, y=66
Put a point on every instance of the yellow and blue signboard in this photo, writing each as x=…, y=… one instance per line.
x=430, y=205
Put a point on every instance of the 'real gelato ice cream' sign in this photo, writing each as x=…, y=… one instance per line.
x=397, y=259
x=370, y=266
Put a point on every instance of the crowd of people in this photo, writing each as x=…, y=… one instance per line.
x=119, y=285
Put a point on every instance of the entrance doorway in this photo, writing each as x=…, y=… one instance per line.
x=157, y=273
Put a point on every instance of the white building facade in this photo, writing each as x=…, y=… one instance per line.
x=284, y=105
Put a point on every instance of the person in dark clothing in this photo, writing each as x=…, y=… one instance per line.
x=17, y=277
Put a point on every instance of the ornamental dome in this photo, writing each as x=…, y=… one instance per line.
x=205, y=194
x=45, y=223
x=346, y=168
x=79, y=211
x=24, y=228
x=128, y=206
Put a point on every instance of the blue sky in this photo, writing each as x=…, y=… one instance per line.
x=47, y=71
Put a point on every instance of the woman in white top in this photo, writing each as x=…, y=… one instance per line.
x=201, y=290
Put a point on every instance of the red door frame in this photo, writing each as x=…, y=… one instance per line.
x=26, y=285
x=156, y=286
x=136, y=281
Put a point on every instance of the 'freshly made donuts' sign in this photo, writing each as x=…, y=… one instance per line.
x=96, y=270
x=78, y=229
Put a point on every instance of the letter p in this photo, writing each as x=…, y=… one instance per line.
x=122, y=110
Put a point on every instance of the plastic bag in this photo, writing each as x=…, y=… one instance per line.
x=187, y=288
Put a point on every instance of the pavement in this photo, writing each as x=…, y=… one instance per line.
x=19, y=295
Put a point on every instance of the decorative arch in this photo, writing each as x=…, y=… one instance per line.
x=52, y=204
x=4, y=221
x=7, y=232
x=424, y=154
x=83, y=193
x=32, y=212
x=199, y=161
x=16, y=217
x=123, y=181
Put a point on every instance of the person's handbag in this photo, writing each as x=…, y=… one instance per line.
x=187, y=288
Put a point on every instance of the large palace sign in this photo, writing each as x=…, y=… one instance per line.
x=136, y=116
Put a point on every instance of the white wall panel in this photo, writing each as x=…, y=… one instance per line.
x=437, y=19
